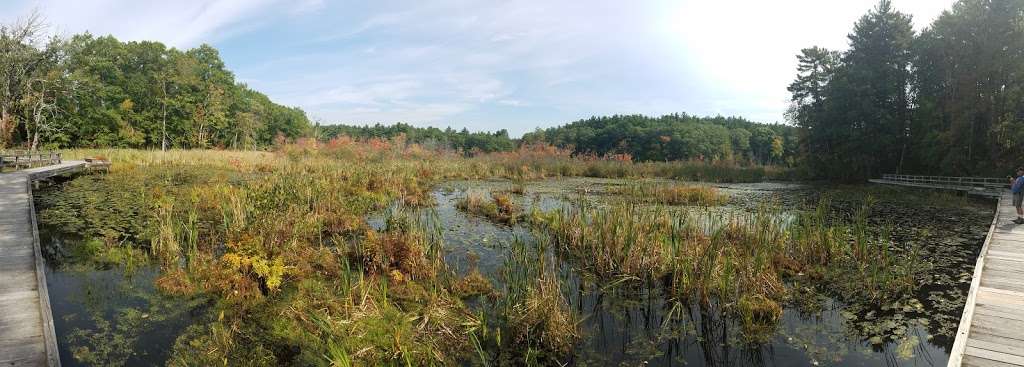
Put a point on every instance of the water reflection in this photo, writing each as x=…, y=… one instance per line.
x=110, y=316
x=633, y=324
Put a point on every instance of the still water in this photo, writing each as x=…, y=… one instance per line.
x=116, y=317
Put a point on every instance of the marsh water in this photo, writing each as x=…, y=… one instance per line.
x=115, y=315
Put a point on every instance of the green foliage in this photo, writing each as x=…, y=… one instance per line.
x=673, y=137
x=969, y=84
x=736, y=256
x=673, y=194
x=430, y=137
x=948, y=101
x=107, y=93
x=855, y=107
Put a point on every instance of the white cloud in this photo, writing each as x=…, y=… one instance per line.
x=430, y=114
x=306, y=6
x=182, y=23
x=464, y=61
x=512, y=102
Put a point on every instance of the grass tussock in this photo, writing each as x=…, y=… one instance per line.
x=539, y=326
x=498, y=206
x=758, y=316
x=474, y=284
x=674, y=194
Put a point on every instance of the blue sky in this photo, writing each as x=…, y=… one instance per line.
x=488, y=65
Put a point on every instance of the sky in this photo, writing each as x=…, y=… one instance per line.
x=489, y=65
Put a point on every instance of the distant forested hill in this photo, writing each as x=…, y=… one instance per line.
x=429, y=136
x=670, y=137
x=675, y=137
x=87, y=91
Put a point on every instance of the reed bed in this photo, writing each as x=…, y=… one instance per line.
x=278, y=245
x=539, y=326
x=740, y=259
x=673, y=194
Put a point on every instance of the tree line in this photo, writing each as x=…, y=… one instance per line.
x=949, y=100
x=87, y=91
x=946, y=100
x=676, y=137
x=431, y=137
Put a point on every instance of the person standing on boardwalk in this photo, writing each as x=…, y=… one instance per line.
x=1017, y=188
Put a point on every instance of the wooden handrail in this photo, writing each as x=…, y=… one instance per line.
x=19, y=159
x=948, y=180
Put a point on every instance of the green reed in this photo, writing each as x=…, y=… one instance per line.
x=733, y=257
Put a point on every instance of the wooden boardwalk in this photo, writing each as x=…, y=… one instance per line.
x=26, y=325
x=991, y=329
x=983, y=186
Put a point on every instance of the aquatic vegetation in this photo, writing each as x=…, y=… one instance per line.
x=114, y=311
x=500, y=208
x=538, y=324
x=739, y=259
x=294, y=273
x=282, y=248
x=621, y=239
x=473, y=284
x=759, y=316
x=673, y=194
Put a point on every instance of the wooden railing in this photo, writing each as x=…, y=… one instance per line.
x=979, y=182
x=15, y=159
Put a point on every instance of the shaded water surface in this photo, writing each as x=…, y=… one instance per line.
x=103, y=315
x=111, y=316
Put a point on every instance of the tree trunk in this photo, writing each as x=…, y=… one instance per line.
x=5, y=120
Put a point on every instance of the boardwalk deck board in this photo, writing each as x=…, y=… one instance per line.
x=991, y=329
x=26, y=325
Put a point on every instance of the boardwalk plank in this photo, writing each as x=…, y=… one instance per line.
x=996, y=347
x=991, y=331
x=983, y=362
x=1006, y=312
x=26, y=326
x=994, y=355
x=989, y=297
x=988, y=337
x=997, y=322
x=1010, y=256
x=1001, y=283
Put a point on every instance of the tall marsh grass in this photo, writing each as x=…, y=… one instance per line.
x=737, y=259
x=539, y=326
x=280, y=245
x=673, y=194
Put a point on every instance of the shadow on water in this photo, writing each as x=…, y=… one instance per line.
x=109, y=315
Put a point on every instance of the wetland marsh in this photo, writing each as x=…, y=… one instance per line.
x=392, y=262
